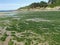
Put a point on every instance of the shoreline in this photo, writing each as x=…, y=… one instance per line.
x=24, y=10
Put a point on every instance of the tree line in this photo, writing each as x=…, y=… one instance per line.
x=41, y=4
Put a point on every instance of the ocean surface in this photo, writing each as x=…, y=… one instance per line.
x=7, y=13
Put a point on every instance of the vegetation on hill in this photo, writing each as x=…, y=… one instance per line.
x=35, y=5
x=50, y=3
x=41, y=4
x=57, y=3
x=53, y=3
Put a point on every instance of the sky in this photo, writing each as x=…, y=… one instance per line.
x=15, y=4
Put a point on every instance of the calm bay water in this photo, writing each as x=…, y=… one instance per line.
x=2, y=14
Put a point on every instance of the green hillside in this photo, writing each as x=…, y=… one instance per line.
x=50, y=3
x=35, y=5
x=58, y=2
x=53, y=3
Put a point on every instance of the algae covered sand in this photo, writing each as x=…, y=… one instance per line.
x=30, y=28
